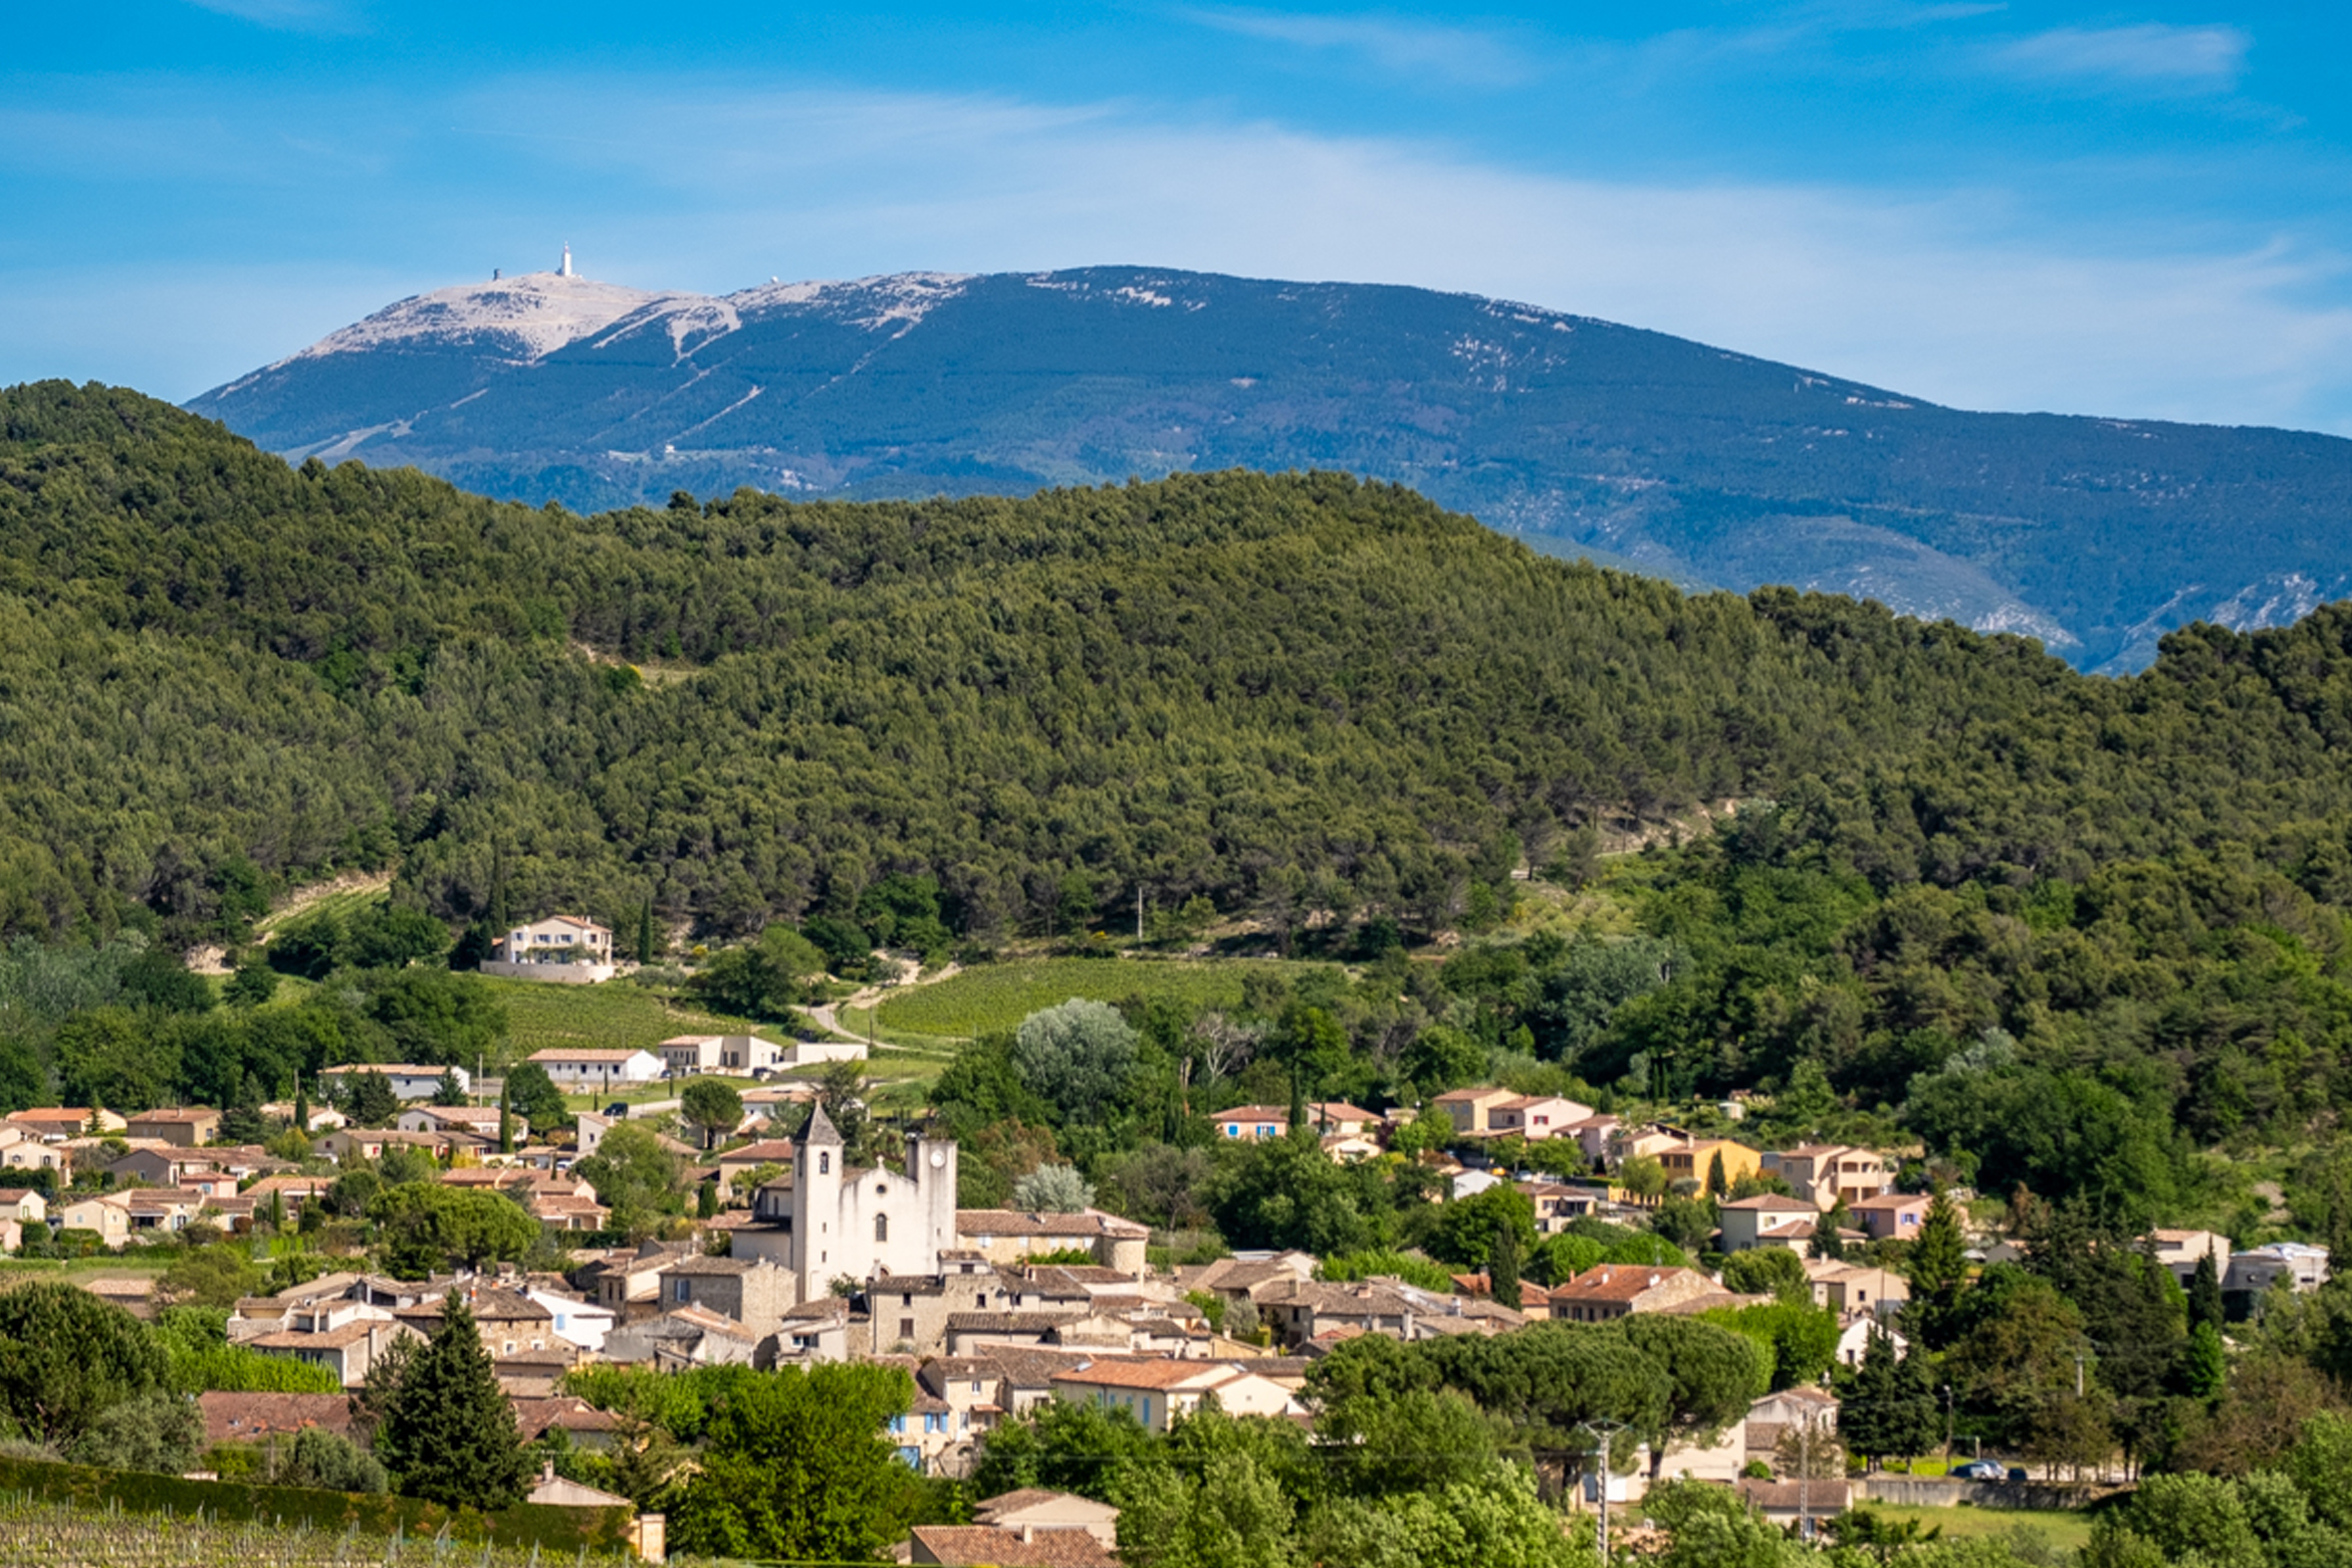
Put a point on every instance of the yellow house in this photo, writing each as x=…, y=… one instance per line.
x=1693, y=1158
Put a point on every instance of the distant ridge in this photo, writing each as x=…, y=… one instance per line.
x=1641, y=450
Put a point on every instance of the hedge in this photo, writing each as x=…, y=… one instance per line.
x=525, y=1524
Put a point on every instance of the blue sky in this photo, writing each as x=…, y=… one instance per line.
x=2135, y=210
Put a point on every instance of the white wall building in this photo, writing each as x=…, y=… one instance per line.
x=409, y=1080
x=585, y=1071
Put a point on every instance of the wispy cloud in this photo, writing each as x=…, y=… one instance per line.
x=691, y=182
x=2152, y=54
x=1459, y=54
x=294, y=16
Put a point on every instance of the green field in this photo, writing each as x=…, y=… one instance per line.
x=2065, y=1531
x=999, y=996
x=616, y=1015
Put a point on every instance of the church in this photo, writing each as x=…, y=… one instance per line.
x=852, y=1221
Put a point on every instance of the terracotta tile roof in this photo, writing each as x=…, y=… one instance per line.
x=967, y=1545
x=1822, y=1497
x=242, y=1418
x=559, y=1053
x=1027, y=1498
x=1034, y=1366
x=1014, y=1222
x=1007, y=1322
x=768, y=1151
x=1154, y=1373
x=1893, y=1201
x=1614, y=1283
x=1771, y=1204
x=536, y=1416
x=327, y=1339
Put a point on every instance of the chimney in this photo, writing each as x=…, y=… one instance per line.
x=1029, y=1533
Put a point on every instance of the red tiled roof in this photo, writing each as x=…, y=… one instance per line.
x=968, y=1545
x=1613, y=1282
x=242, y=1418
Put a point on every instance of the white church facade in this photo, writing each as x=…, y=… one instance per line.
x=852, y=1221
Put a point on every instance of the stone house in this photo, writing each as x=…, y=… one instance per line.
x=184, y=1128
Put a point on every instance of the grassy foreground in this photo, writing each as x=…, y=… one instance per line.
x=999, y=996
x=61, y=1537
x=2061, y=1530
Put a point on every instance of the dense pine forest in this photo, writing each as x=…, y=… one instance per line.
x=2047, y=916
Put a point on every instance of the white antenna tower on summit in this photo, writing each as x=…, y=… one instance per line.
x=565, y=271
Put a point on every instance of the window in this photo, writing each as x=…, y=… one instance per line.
x=881, y=1227
x=975, y=1385
x=906, y=1328
x=1147, y=1412
x=906, y=1298
x=898, y=1425
x=825, y=1163
x=682, y=1291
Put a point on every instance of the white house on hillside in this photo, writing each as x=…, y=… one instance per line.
x=566, y=950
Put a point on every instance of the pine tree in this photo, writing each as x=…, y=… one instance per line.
x=1503, y=1265
x=1938, y=1265
x=2205, y=1295
x=373, y=1104
x=449, y=1434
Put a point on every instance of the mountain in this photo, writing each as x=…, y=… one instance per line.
x=1581, y=437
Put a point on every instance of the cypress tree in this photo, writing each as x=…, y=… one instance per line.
x=1716, y=1184
x=301, y=1106
x=1503, y=1265
x=2205, y=1295
x=1870, y=1415
x=1918, y=1428
x=1938, y=1265
x=449, y=1435
x=645, y=932
x=2204, y=1367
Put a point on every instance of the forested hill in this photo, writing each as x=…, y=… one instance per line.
x=219, y=673
x=1579, y=435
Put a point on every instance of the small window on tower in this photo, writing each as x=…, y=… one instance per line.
x=825, y=1163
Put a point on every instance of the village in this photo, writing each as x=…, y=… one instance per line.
x=796, y=1256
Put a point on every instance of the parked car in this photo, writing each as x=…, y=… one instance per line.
x=617, y=1109
x=1979, y=1469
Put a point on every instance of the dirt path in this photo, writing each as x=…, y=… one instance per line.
x=304, y=899
x=828, y=1017
x=212, y=958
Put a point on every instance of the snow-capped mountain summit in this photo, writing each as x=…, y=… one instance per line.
x=1580, y=436
x=523, y=317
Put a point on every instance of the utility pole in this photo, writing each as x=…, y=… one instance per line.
x=1601, y=1431
x=1948, y=1428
